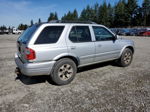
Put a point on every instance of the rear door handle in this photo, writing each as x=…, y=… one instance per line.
x=73, y=47
x=99, y=45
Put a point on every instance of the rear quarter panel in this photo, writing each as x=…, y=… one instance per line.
x=47, y=52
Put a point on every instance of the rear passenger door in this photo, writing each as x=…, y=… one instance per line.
x=80, y=44
x=107, y=47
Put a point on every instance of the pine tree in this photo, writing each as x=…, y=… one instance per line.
x=87, y=14
x=56, y=16
x=146, y=12
x=137, y=17
x=22, y=27
x=120, y=14
x=31, y=23
x=83, y=15
x=110, y=15
x=53, y=16
x=104, y=14
x=71, y=16
x=63, y=17
x=95, y=13
x=39, y=21
x=131, y=7
x=75, y=15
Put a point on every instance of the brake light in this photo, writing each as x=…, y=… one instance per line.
x=30, y=54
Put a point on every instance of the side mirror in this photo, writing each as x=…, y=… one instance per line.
x=115, y=37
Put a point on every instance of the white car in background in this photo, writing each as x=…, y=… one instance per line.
x=16, y=31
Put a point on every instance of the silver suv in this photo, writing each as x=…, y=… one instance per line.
x=59, y=48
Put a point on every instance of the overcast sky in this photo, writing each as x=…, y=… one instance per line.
x=14, y=12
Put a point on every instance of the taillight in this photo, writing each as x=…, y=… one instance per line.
x=30, y=54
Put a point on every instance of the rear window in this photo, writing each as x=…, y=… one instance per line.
x=80, y=34
x=49, y=35
x=27, y=34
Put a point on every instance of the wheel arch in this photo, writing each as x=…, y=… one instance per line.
x=70, y=56
x=130, y=47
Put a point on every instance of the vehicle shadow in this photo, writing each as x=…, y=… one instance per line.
x=30, y=80
x=42, y=79
x=95, y=66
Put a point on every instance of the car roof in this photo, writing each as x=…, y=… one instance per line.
x=60, y=22
x=69, y=22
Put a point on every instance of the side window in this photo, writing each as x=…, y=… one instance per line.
x=80, y=34
x=102, y=34
x=49, y=35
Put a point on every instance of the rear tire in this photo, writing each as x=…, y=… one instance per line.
x=64, y=71
x=126, y=58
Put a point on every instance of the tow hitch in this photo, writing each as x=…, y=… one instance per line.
x=17, y=71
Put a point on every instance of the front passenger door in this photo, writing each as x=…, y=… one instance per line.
x=106, y=47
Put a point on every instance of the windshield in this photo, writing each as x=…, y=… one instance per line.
x=27, y=34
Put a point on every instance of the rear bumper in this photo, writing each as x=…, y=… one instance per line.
x=34, y=69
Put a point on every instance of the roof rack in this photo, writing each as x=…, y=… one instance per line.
x=66, y=21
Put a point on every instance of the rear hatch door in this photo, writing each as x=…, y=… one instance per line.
x=23, y=40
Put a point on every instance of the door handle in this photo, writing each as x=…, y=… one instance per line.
x=73, y=47
x=99, y=45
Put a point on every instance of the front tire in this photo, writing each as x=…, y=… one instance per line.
x=64, y=71
x=126, y=58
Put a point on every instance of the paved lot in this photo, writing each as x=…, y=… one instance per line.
x=102, y=87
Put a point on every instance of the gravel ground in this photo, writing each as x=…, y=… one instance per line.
x=102, y=87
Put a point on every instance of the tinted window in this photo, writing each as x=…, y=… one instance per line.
x=102, y=34
x=80, y=34
x=27, y=34
x=49, y=35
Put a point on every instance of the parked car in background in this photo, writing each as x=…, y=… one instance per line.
x=146, y=33
x=6, y=31
x=114, y=30
x=141, y=31
x=16, y=31
x=123, y=31
x=133, y=32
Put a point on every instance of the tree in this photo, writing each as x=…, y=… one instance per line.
x=137, y=19
x=95, y=13
x=22, y=27
x=87, y=14
x=2, y=28
x=67, y=16
x=120, y=19
x=71, y=16
x=104, y=14
x=83, y=15
x=130, y=8
x=53, y=16
x=75, y=15
x=31, y=23
x=146, y=12
x=39, y=21
x=56, y=16
x=110, y=15
x=63, y=17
